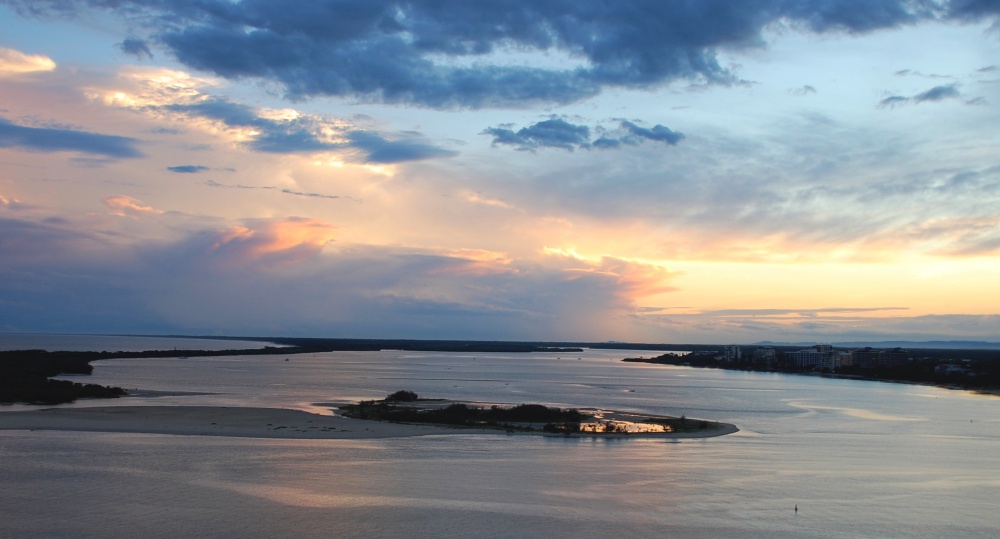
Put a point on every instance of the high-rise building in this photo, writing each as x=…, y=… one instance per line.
x=820, y=356
x=870, y=358
x=731, y=354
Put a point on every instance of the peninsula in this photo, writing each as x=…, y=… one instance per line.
x=27, y=375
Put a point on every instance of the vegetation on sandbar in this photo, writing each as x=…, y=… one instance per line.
x=408, y=407
x=518, y=417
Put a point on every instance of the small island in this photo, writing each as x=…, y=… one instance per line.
x=408, y=408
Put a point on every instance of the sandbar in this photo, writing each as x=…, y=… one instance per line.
x=244, y=422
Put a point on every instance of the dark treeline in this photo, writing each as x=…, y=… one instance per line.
x=25, y=376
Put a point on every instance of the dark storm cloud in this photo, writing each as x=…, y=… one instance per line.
x=558, y=133
x=305, y=134
x=188, y=169
x=974, y=9
x=402, y=52
x=47, y=139
x=135, y=47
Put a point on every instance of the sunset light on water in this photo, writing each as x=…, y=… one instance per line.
x=682, y=268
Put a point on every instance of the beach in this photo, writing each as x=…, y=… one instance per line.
x=245, y=422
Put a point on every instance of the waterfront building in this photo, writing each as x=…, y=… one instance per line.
x=871, y=358
x=819, y=356
x=731, y=354
x=764, y=358
x=844, y=359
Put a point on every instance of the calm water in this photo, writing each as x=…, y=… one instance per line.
x=860, y=459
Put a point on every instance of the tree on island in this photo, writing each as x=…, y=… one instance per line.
x=402, y=396
x=457, y=413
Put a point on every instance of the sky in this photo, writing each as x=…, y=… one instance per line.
x=644, y=171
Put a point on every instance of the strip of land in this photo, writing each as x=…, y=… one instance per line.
x=244, y=422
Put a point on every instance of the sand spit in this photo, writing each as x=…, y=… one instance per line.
x=247, y=423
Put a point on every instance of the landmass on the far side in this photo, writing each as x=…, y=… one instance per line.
x=976, y=369
x=407, y=407
x=27, y=375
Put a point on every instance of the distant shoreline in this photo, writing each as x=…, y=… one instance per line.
x=919, y=372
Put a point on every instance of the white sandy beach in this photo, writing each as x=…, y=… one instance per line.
x=240, y=422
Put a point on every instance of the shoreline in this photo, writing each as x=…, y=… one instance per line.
x=274, y=423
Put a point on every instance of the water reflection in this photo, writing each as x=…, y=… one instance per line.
x=859, y=459
x=622, y=427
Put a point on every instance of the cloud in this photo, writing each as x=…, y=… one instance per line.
x=799, y=312
x=405, y=147
x=825, y=325
x=552, y=133
x=12, y=204
x=288, y=240
x=284, y=131
x=475, y=198
x=286, y=191
x=962, y=236
x=13, y=62
x=892, y=101
x=135, y=47
x=910, y=72
x=558, y=133
x=633, y=279
x=47, y=242
x=802, y=91
x=987, y=246
x=973, y=9
x=452, y=53
x=44, y=139
x=124, y=206
x=188, y=169
x=289, y=276
x=937, y=93
x=658, y=133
